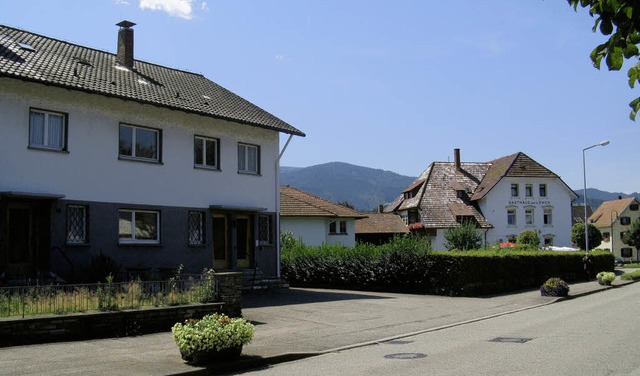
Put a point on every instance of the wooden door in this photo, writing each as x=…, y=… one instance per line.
x=244, y=239
x=220, y=242
x=19, y=240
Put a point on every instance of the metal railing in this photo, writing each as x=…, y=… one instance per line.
x=36, y=300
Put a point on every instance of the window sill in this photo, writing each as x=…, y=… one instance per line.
x=205, y=167
x=132, y=159
x=338, y=233
x=140, y=244
x=44, y=148
x=249, y=173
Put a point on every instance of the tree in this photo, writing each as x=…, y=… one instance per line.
x=632, y=236
x=463, y=237
x=347, y=204
x=621, y=20
x=577, y=236
x=529, y=237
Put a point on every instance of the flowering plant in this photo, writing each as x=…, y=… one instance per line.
x=216, y=332
x=605, y=278
x=554, y=287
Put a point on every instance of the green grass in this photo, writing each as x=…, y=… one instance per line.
x=632, y=266
x=633, y=276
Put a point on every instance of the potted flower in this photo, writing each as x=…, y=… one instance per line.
x=214, y=337
x=605, y=278
x=554, y=287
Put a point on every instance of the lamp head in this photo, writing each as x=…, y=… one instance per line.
x=604, y=143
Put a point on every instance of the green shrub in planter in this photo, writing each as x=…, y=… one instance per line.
x=213, y=337
x=605, y=278
x=554, y=287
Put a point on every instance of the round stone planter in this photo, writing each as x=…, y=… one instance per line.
x=204, y=357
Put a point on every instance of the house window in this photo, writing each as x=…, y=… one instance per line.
x=139, y=226
x=528, y=190
x=528, y=216
x=139, y=143
x=333, y=226
x=413, y=217
x=196, y=228
x=625, y=221
x=511, y=217
x=633, y=207
x=626, y=252
x=77, y=224
x=408, y=195
x=512, y=238
x=542, y=190
x=514, y=190
x=605, y=236
x=248, y=159
x=47, y=130
x=547, y=216
x=265, y=235
x=548, y=240
x=206, y=153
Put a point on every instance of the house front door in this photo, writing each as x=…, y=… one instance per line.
x=244, y=239
x=220, y=242
x=19, y=235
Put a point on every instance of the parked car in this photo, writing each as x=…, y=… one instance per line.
x=618, y=262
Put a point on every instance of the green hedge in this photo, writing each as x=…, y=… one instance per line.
x=408, y=265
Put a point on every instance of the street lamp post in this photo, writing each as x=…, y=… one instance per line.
x=584, y=172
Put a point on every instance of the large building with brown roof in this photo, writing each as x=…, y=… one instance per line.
x=107, y=155
x=613, y=218
x=316, y=221
x=503, y=197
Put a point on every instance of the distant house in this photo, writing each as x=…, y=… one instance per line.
x=503, y=197
x=613, y=218
x=379, y=228
x=577, y=213
x=316, y=221
x=151, y=166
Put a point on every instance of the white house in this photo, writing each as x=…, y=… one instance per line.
x=504, y=197
x=316, y=221
x=614, y=218
x=148, y=165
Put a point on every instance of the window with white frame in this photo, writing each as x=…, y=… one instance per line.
x=206, y=152
x=514, y=190
x=528, y=190
x=196, y=228
x=248, y=158
x=265, y=234
x=511, y=217
x=47, y=130
x=333, y=227
x=542, y=190
x=547, y=217
x=529, y=216
x=139, y=143
x=139, y=226
x=77, y=224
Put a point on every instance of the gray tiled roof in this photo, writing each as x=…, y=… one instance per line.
x=58, y=63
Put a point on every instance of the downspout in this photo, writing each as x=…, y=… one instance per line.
x=277, y=229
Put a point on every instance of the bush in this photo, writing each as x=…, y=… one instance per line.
x=633, y=276
x=605, y=278
x=463, y=237
x=213, y=333
x=554, y=287
x=529, y=238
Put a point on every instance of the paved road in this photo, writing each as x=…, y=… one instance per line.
x=594, y=335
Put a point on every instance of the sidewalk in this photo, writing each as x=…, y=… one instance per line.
x=290, y=324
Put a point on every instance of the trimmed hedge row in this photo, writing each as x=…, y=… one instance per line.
x=407, y=266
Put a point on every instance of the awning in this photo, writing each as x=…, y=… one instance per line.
x=31, y=196
x=236, y=208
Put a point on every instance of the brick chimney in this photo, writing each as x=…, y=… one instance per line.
x=456, y=159
x=125, y=44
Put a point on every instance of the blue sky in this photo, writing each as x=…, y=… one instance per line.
x=389, y=85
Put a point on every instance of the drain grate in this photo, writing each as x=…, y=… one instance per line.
x=404, y=356
x=399, y=342
x=511, y=339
